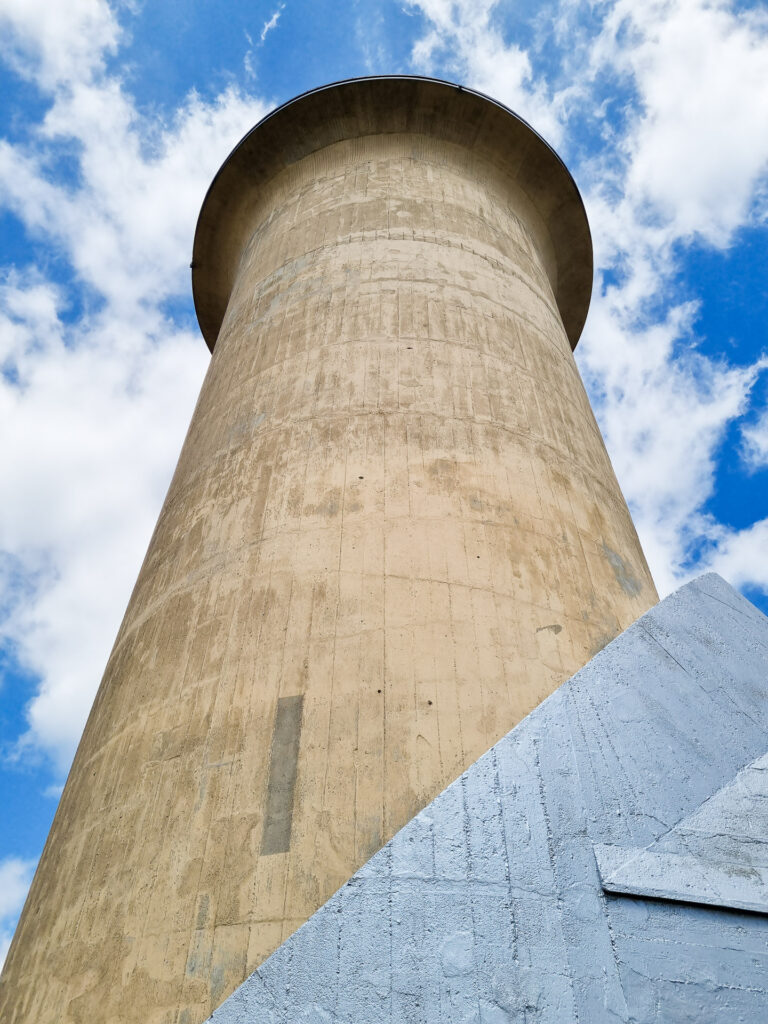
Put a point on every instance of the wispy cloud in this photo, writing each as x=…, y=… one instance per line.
x=272, y=22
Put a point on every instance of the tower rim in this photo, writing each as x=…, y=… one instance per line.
x=347, y=110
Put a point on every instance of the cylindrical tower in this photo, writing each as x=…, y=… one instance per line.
x=393, y=530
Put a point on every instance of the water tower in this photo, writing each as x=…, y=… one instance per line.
x=392, y=532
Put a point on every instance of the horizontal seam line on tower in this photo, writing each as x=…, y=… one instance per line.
x=191, y=578
x=334, y=416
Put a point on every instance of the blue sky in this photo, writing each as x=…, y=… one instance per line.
x=115, y=119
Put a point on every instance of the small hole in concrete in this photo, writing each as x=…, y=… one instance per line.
x=361, y=478
x=429, y=702
x=378, y=691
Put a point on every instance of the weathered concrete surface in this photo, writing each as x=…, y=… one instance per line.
x=393, y=511
x=488, y=908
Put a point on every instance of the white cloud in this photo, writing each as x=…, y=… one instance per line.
x=697, y=150
x=97, y=404
x=127, y=228
x=272, y=22
x=735, y=555
x=53, y=42
x=98, y=417
x=15, y=876
x=464, y=42
x=755, y=443
x=663, y=409
x=691, y=170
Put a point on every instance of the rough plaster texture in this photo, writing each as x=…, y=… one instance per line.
x=488, y=908
x=393, y=517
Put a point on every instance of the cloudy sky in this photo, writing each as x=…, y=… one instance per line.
x=115, y=118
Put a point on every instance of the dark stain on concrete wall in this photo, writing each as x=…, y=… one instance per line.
x=627, y=580
x=283, y=759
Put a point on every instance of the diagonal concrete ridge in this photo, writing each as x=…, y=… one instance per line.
x=489, y=906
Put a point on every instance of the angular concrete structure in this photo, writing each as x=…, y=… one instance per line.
x=393, y=530
x=491, y=905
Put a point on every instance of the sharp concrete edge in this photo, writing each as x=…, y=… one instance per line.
x=717, y=855
x=488, y=907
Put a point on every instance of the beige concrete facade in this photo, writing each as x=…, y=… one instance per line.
x=393, y=530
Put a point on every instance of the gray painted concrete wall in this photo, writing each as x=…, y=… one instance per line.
x=488, y=907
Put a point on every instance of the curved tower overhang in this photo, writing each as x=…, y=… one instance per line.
x=387, y=105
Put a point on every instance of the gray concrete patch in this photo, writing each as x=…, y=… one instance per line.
x=488, y=907
x=283, y=762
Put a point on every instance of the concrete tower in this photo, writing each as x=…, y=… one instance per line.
x=393, y=530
